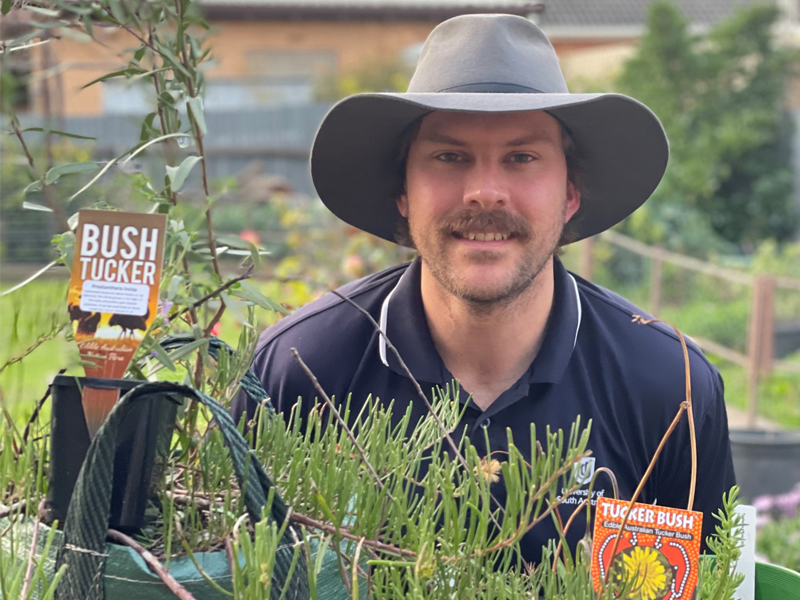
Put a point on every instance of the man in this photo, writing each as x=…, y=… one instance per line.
x=487, y=165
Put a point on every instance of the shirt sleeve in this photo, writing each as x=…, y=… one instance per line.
x=715, y=474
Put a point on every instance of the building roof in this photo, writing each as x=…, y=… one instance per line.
x=365, y=9
x=581, y=18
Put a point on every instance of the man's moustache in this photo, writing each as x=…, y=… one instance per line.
x=498, y=221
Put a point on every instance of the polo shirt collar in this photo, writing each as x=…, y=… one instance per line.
x=563, y=328
x=403, y=319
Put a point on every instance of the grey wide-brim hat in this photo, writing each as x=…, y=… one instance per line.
x=487, y=63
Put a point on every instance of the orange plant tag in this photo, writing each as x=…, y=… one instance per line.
x=658, y=553
x=113, y=295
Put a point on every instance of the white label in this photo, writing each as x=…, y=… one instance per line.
x=747, y=562
x=117, y=298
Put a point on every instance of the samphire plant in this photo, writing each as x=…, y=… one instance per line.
x=398, y=510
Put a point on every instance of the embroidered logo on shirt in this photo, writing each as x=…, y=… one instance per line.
x=584, y=470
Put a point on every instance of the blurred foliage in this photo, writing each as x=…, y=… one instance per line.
x=27, y=222
x=720, y=98
x=779, y=541
x=370, y=76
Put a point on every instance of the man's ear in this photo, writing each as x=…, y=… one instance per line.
x=402, y=204
x=573, y=201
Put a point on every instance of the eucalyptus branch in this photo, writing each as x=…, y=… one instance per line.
x=229, y=552
x=6, y=48
x=212, y=243
x=21, y=139
x=215, y=293
x=163, y=126
x=132, y=31
x=186, y=500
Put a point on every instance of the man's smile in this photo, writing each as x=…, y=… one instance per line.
x=481, y=236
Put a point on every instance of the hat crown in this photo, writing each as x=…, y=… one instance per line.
x=488, y=53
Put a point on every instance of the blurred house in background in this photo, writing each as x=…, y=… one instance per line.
x=267, y=52
x=273, y=61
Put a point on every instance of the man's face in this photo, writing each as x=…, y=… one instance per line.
x=486, y=198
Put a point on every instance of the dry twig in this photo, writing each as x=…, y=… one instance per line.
x=339, y=418
x=686, y=405
x=154, y=564
x=421, y=394
x=29, y=571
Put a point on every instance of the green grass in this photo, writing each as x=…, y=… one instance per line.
x=24, y=316
x=778, y=394
x=27, y=313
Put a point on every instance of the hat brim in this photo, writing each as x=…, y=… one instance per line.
x=622, y=147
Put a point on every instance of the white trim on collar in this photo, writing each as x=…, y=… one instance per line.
x=385, y=317
x=580, y=309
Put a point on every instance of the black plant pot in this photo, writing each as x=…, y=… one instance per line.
x=143, y=438
x=766, y=462
x=787, y=338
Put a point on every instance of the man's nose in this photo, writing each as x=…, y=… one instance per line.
x=485, y=187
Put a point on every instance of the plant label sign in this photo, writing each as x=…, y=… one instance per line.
x=657, y=555
x=113, y=295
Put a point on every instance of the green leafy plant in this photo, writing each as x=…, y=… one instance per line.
x=717, y=578
x=399, y=509
x=720, y=98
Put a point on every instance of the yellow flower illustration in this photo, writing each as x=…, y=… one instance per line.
x=646, y=571
x=489, y=469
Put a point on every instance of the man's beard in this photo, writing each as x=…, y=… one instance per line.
x=538, y=249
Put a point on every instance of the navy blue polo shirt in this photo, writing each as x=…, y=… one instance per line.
x=594, y=362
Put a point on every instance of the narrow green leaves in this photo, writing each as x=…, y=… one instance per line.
x=117, y=11
x=55, y=173
x=56, y=132
x=196, y=106
x=177, y=175
x=248, y=291
x=32, y=206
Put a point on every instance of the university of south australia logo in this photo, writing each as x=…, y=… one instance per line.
x=584, y=470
